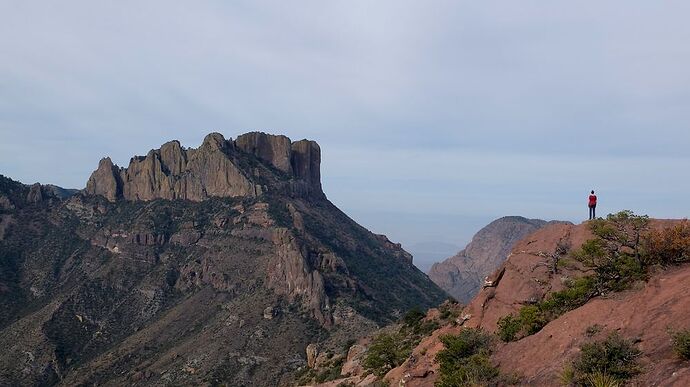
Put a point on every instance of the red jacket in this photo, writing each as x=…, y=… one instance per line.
x=592, y=200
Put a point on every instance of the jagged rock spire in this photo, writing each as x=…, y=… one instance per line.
x=218, y=168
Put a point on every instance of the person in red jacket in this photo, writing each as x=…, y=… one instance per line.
x=592, y=206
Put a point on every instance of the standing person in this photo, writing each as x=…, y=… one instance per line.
x=592, y=206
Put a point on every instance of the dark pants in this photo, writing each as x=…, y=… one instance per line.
x=592, y=212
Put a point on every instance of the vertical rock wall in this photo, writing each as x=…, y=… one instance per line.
x=218, y=168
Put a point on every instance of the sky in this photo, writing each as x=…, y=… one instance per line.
x=434, y=117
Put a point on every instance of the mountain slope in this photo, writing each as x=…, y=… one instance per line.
x=537, y=268
x=462, y=275
x=646, y=313
x=211, y=265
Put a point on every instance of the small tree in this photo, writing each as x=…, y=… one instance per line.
x=621, y=232
x=386, y=352
x=616, y=254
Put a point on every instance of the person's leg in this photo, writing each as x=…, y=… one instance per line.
x=590, y=212
x=594, y=211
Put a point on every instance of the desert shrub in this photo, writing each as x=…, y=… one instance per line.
x=413, y=317
x=602, y=379
x=469, y=342
x=465, y=359
x=567, y=376
x=532, y=318
x=593, y=330
x=424, y=329
x=414, y=321
x=576, y=294
x=615, y=357
x=508, y=327
x=387, y=351
x=670, y=245
x=681, y=343
x=476, y=370
x=449, y=310
x=331, y=372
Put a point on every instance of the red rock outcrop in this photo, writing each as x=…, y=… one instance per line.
x=645, y=313
x=462, y=275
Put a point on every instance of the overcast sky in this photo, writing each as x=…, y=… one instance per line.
x=434, y=117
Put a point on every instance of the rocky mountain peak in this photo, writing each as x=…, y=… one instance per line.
x=462, y=275
x=253, y=164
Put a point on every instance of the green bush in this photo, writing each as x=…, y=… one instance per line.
x=681, y=343
x=331, y=372
x=532, y=318
x=413, y=317
x=465, y=359
x=469, y=342
x=576, y=294
x=615, y=357
x=475, y=370
x=386, y=352
x=508, y=327
x=450, y=310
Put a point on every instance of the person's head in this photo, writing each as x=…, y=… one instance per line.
x=592, y=192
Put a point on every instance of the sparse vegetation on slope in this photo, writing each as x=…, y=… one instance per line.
x=465, y=361
x=604, y=363
x=681, y=343
x=389, y=350
x=620, y=255
x=532, y=318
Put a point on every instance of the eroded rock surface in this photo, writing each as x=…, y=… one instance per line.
x=218, y=168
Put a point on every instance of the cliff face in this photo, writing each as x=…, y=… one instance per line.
x=126, y=284
x=218, y=168
x=462, y=275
